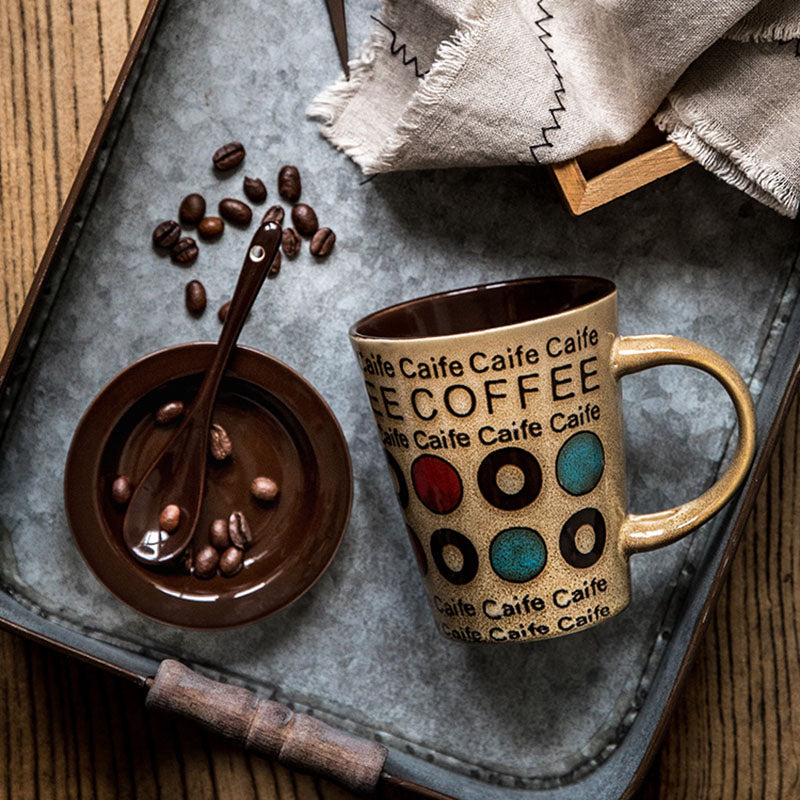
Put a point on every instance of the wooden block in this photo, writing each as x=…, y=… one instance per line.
x=597, y=177
x=268, y=728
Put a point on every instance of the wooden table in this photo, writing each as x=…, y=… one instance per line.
x=70, y=731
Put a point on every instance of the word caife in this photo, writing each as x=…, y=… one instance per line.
x=561, y=381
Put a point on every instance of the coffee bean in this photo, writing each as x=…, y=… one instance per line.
x=219, y=443
x=169, y=412
x=185, y=251
x=254, y=190
x=239, y=530
x=210, y=228
x=230, y=562
x=305, y=219
x=193, y=209
x=289, y=186
x=322, y=242
x=166, y=234
x=274, y=214
x=206, y=562
x=275, y=266
x=195, y=297
x=121, y=490
x=264, y=488
x=222, y=314
x=290, y=242
x=170, y=518
x=235, y=211
x=218, y=534
x=229, y=156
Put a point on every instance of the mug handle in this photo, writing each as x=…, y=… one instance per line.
x=641, y=532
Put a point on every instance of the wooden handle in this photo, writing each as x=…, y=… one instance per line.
x=270, y=729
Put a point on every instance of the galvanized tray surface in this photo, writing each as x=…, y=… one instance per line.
x=571, y=717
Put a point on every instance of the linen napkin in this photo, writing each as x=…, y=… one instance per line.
x=444, y=83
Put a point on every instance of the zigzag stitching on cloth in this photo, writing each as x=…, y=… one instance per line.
x=401, y=50
x=553, y=110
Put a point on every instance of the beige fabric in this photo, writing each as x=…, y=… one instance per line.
x=444, y=83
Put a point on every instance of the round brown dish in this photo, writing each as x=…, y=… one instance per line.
x=279, y=425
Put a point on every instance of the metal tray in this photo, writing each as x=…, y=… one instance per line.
x=577, y=717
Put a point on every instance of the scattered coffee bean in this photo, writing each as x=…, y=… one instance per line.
x=235, y=211
x=222, y=314
x=169, y=412
x=254, y=190
x=290, y=242
x=166, y=234
x=218, y=535
x=264, y=488
x=206, y=562
x=187, y=561
x=274, y=214
x=230, y=562
x=229, y=156
x=170, y=518
x=121, y=490
x=275, y=266
x=322, y=242
x=239, y=530
x=195, y=297
x=289, y=186
x=305, y=219
x=185, y=251
x=210, y=228
x=219, y=443
x=193, y=209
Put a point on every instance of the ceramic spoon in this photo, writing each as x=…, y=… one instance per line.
x=178, y=474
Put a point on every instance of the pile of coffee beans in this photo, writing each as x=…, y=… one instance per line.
x=228, y=538
x=183, y=250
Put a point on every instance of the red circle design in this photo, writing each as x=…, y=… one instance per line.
x=437, y=484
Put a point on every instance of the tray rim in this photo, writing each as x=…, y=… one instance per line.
x=8, y=359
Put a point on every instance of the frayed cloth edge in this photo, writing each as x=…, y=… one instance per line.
x=451, y=56
x=743, y=31
x=328, y=106
x=724, y=156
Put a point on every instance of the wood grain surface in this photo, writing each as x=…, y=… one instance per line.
x=67, y=730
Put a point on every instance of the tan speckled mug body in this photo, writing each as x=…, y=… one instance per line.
x=499, y=411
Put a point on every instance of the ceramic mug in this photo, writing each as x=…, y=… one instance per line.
x=499, y=410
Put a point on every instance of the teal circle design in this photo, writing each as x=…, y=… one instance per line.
x=580, y=463
x=518, y=554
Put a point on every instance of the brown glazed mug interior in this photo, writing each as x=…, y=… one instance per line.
x=482, y=307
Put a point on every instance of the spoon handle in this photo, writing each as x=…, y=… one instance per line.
x=257, y=262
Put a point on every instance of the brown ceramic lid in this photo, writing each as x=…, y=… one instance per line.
x=280, y=427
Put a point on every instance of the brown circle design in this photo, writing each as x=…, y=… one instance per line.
x=514, y=457
x=443, y=537
x=566, y=543
x=281, y=425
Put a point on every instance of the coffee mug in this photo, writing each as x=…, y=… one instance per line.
x=499, y=411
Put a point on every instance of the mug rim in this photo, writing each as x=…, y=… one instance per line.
x=604, y=286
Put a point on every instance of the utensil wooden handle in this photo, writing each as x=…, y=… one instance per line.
x=268, y=728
